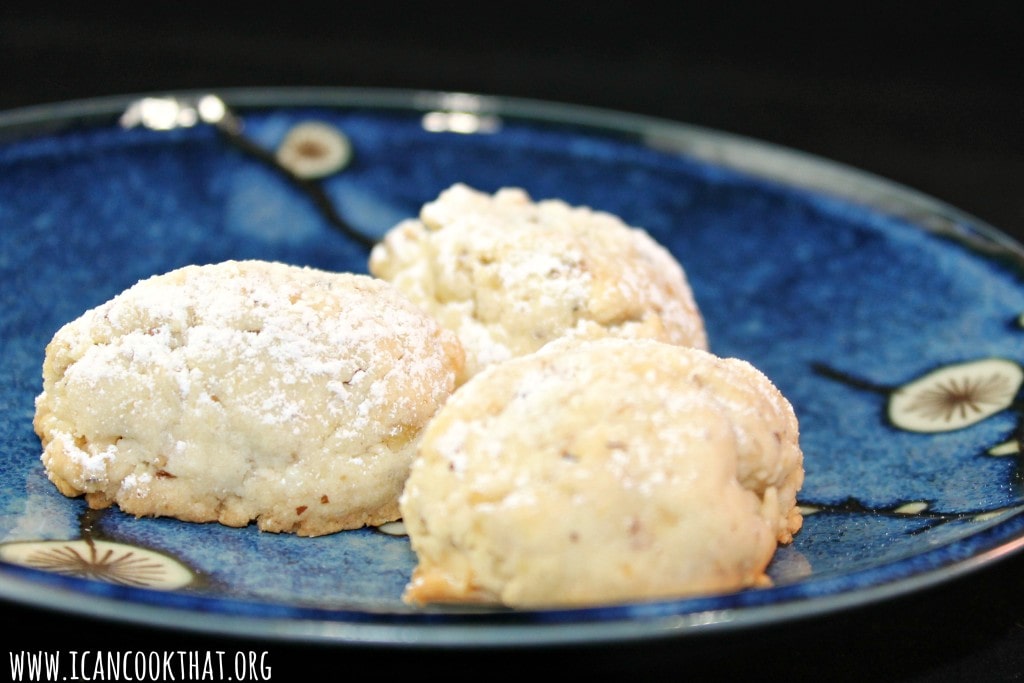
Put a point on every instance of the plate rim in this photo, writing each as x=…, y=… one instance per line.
x=746, y=154
x=36, y=588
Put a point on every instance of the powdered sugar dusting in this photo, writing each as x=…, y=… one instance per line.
x=509, y=275
x=92, y=465
x=252, y=380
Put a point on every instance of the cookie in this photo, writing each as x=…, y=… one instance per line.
x=509, y=275
x=601, y=472
x=245, y=391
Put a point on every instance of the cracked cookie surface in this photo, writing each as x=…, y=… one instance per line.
x=600, y=472
x=509, y=274
x=245, y=391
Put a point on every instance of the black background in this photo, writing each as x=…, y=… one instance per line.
x=929, y=95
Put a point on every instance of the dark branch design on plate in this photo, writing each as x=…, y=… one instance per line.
x=949, y=397
x=309, y=152
x=944, y=399
x=920, y=510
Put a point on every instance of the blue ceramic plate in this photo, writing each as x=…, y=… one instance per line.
x=891, y=321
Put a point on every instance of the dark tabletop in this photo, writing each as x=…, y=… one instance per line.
x=929, y=95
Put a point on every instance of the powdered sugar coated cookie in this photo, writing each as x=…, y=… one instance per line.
x=245, y=391
x=509, y=275
x=600, y=472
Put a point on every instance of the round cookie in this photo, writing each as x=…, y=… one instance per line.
x=509, y=275
x=245, y=391
x=601, y=472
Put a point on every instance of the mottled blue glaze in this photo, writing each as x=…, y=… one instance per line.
x=787, y=277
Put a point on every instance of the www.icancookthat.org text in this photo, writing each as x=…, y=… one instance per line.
x=172, y=665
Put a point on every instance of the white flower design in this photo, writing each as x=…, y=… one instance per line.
x=956, y=396
x=314, y=150
x=117, y=563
